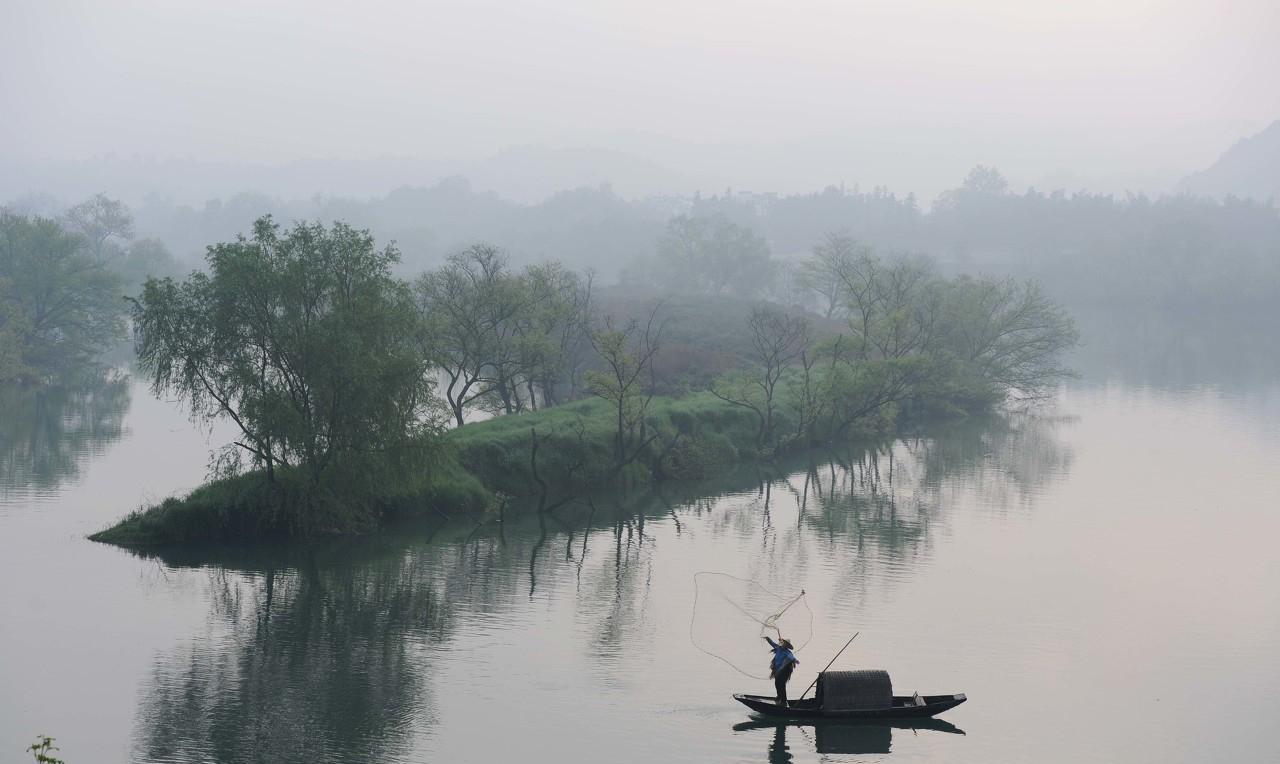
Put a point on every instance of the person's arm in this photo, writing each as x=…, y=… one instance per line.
x=772, y=644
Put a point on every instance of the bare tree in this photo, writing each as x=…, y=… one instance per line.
x=778, y=339
x=810, y=393
x=626, y=381
x=825, y=272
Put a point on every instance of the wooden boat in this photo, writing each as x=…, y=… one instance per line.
x=852, y=696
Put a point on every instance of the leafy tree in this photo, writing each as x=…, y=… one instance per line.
x=905, y=302
x=99, y=219
x=911, y=331
x=503, y=339
x=711, y=255
x=505, y=310
x=1009, y=334
x=892, y=308
x=59, y=306
x=303, y=339
x=107, y=227
x=467, y=308
x=142, y=259
x=858, y=388
x=555, y=331
x=13, y=329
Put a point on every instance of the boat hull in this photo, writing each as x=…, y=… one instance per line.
x=904, y=707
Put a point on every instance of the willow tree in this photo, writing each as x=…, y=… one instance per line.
x=303, y=339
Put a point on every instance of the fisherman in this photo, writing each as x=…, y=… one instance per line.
x=784, y=662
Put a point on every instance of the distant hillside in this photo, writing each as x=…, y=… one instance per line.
x=1251, y=168
x=525, y=174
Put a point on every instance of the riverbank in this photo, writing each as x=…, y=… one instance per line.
x=548, y=456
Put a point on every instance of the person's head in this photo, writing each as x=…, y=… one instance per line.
x=785, y=643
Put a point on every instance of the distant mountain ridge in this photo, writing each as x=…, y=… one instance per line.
x=1250, y=168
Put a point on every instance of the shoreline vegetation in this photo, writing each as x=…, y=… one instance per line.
x=60, y=285
x=356, y=392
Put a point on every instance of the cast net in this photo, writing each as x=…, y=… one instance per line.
x=731, y=616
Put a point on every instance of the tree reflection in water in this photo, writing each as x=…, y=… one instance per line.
x=317, y=657
x=48, y=433
x=325, y=652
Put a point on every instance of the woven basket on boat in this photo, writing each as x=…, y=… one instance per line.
x=852, y=690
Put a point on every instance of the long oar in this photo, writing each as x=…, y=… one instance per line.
x=833, y=660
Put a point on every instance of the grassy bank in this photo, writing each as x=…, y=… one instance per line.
x=691, y=437
x=249, y=506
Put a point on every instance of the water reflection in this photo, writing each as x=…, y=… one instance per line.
x=332, y=651
x=313, y=657
x=837, y=737
x=48, y=433
x=1177, y=350
x=884, y=500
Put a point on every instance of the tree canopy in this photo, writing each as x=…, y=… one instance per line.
x=59, y=305
x=708, y=255
x=303, y=339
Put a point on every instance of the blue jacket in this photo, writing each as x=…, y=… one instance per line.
x=781, y=655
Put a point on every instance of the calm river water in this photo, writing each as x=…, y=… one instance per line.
x=1101, y=579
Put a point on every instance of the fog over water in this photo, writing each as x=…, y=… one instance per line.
x=460, y=337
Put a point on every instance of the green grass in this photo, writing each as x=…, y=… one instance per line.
x=249, y=507
x=576, y=444
x=698, y=435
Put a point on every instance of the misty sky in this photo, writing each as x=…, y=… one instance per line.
x=781, y=94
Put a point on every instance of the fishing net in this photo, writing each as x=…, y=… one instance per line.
x=731, y=615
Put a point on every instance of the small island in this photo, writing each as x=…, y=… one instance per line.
x=361, y=397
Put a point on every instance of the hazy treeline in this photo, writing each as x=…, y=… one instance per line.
x=62, y=285
x=1172, y=251
x=582, y=227
x=1164, y=251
